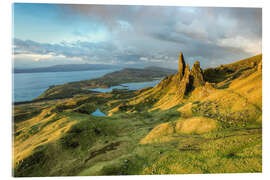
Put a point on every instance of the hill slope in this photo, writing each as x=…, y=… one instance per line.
x=189, y=123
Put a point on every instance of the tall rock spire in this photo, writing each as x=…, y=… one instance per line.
x=182, y=65
x=197, y=74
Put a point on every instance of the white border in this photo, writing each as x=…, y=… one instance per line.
x=6, y=91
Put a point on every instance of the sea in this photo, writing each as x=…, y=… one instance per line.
x=27, y=86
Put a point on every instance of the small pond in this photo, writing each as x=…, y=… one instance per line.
x=98, y=113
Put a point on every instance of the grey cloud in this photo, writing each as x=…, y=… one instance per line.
x=157, y=30
x=217, y=22
x=87, y=51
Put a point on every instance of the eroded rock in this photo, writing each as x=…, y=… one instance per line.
x=188, y=79
x=197, y=74
x=182, y=65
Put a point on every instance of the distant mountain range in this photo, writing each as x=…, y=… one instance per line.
x=67, y=68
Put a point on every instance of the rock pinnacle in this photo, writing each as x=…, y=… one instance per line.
x=182, y=64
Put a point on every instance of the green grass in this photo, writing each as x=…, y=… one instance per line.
x=91, y=134
x=218, y=153
x=110, y=146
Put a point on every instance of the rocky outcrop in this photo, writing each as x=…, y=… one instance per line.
x=185, y=84
x=188, y=79
x=197, y=75
x=182, y=65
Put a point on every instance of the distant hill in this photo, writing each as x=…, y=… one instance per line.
x=67, y=68
x=125, y=75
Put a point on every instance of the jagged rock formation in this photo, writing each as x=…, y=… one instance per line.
x=181, y=65
x=197, y=74
x=185, y=83
x=189, y=79
x=192, y=84
x=175, y=88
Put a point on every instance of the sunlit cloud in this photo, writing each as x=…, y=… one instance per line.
x=250, y=46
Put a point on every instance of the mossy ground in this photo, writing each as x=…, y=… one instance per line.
x=220, y=132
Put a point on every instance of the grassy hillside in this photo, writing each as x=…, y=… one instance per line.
x=215, y=128
x=233, y=70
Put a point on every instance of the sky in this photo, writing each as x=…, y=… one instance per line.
x=133, y=36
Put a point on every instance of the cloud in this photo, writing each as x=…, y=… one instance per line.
x=87, y=52
x=240, y=42
x=155, y=34
x=73, y=49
